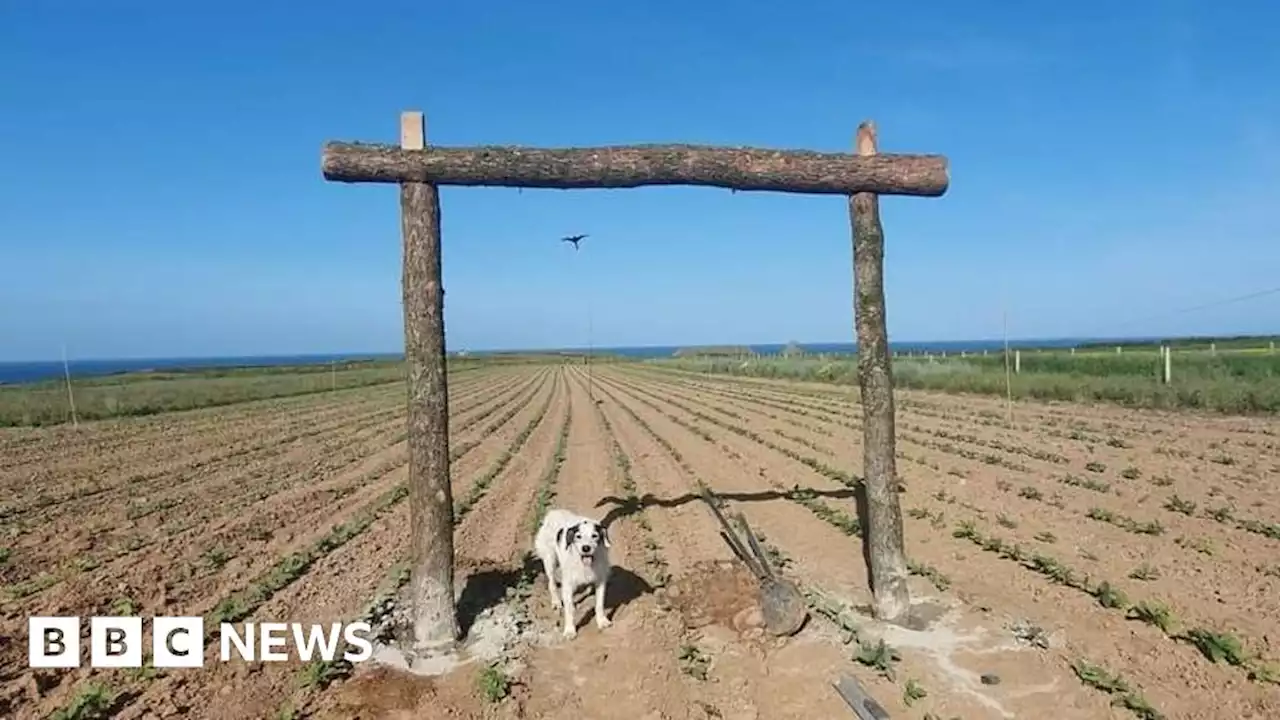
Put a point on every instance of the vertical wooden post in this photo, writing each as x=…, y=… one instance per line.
x=71, y=396
x=1008, y=367
x=1168, y=364
x=435, y=621
x=882, y=540
x=1017, y=362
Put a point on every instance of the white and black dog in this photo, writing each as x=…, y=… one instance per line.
x=579, y=547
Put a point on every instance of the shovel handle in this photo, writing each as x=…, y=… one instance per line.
x=731, y=537
x=761, y=558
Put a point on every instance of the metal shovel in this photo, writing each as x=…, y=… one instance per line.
x=781, y=604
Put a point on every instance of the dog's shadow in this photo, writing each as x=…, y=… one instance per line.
x=488, y=588
x=624, y=588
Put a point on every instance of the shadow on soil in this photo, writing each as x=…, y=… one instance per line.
x=487, y=588
x=624, y=507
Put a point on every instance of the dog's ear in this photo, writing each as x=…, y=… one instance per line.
x=570, y=534
x=604, y=534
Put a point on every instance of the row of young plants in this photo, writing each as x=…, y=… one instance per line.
x=493, y=682
x=809, y=498
x=546, y=492
x=984, y=417
x=1221, y=514
x=103, y=439
x=876, y=655
x=333, y=459
x=852, y=420
x=658, y=570
x=1077, y=432
x=1215, y=646
x=1225, y=515
x=50, y=506
x=787, y=418
x=1174, y=504
x=845, y=478
x=319, y=675
x=510, y=408
x=236, y=607
x=481, y=485
x=848, y=421
x=240, y=604
x=805, y=497
x=23, y=588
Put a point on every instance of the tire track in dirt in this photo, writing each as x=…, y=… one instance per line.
x=1103, y=633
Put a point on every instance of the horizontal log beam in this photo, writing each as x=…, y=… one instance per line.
x=791, y=171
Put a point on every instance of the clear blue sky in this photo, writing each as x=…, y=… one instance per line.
x=161, y=195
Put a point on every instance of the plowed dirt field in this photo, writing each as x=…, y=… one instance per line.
x=1087, y=562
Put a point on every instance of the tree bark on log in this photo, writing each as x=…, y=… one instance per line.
x=882, y=537
x=435, y=621
x=747, y=169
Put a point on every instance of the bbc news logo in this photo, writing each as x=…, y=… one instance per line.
x=179, y=642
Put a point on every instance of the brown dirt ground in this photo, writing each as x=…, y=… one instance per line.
x=177, y=513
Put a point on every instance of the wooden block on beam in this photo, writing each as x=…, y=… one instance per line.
x=413, y=130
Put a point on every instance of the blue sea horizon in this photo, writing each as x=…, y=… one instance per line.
x=35, y=371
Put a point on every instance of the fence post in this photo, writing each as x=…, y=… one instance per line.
x=1167, y=352
x=435, y=620
x=883, y=543
x=71, y=396
x=1017, y=362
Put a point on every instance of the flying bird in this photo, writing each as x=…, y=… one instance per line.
x=575, y=239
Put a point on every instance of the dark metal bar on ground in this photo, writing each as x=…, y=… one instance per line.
x=747, y=169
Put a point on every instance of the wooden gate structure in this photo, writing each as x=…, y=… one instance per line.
x=419, y=169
